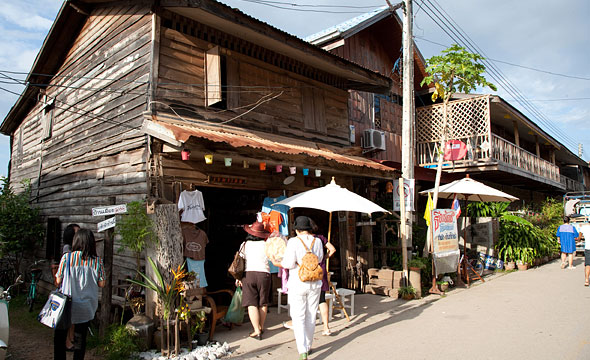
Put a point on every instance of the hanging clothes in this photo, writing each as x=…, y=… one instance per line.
x=194, y=241
x=283, y=223
x=198, y=267
x=192, y=205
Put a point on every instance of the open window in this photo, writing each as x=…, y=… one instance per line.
x=221, y=73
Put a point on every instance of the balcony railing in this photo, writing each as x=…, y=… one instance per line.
x=571, y=184
x=481, y=150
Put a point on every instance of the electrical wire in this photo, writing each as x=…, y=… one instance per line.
x=284, y=6
x=495, y=73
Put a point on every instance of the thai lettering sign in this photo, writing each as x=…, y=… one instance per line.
x=107, y=224
x=109, y=210
x=444, y=230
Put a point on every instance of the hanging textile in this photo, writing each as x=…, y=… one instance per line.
x=192, y=205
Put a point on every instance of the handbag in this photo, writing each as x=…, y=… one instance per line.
x=238, y=265
x=56, y=312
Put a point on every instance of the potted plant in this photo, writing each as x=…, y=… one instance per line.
x=407, y=292
x=416, y=264
x=198, y=330
x=443, y=285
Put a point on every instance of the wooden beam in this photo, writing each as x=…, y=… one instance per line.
x=537, y=148
x=516, y=135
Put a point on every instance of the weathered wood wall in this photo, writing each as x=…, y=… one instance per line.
x=95, y=149
x=302, y=107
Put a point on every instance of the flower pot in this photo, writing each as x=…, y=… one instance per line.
x=522, y=267
x=202, y=338
x=415, y=269
x=444, y=286
x=408, y=296
x=510, y=265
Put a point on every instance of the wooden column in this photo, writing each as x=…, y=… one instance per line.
x=516, y=135
x=107, y=292
x=537, y=148
x=553, y=155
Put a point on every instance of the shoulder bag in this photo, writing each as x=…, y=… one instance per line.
x=310, y=269
x=238, y=265
x=57, y=310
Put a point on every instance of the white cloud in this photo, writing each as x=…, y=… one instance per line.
x=15, y=14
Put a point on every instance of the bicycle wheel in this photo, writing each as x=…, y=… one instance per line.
x=477, y=265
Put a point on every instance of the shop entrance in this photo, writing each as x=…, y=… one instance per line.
x=226, y=211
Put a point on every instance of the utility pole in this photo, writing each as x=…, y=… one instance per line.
x=408, y=122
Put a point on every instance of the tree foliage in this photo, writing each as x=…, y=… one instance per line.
x=21, y=231
x=136, y=229
x=456, y=70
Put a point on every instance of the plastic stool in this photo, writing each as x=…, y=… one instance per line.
x=280, y=304
x=347, y=297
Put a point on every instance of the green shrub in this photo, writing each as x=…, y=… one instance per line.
x=121, y=343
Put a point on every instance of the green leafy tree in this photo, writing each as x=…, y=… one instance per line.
x=136, y=230
x=21, y=231
x=456, y=70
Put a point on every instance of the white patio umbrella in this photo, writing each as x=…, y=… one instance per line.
x=332, y=198
x=471, y=190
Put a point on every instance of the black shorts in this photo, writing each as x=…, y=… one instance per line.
x=322, y=297
x=256, y=288
x=587, y=257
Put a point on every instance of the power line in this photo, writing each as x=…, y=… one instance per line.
x=495, y=73
x=284, y=6
x=315, y=5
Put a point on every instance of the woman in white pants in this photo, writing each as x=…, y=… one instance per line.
x=304, y=297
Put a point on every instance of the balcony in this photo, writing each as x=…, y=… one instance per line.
x=470, y=122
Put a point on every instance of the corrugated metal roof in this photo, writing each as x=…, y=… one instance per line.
x=269, y=142
x=348, y=25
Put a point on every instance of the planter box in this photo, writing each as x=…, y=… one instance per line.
x=510, y=265
x=522, y=267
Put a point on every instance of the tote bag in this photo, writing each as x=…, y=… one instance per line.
x=56, y=312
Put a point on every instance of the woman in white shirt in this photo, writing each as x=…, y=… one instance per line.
x=304, y=297
x=256, y=283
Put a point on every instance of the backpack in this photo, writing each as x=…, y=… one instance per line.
x=309, y=268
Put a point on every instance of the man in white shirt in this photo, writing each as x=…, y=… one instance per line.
x=304, y=297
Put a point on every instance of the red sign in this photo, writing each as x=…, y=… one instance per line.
x=455, y=150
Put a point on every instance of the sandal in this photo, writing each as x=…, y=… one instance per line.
x=587, y=283
x=326, y=333
x=255, y=336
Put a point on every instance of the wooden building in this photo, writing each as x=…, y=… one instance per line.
x=120, y=89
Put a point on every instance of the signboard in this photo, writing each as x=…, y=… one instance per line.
x=455, y=150
x=107, y=224
x=444, y=230
x=109, y=210
x=408, y=191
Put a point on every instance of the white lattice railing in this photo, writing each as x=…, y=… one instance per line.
x=480, y=149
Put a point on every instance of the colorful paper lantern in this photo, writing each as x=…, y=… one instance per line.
x=209, y=159
x=227, y=161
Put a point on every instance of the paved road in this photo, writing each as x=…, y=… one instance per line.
x=542, y=313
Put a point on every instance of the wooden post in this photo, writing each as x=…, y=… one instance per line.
x=516, y=134
x=107, y=291
x=403, y=230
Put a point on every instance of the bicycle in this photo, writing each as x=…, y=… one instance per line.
x=35, y=276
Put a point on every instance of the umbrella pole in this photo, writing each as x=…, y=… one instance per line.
x=340, y=305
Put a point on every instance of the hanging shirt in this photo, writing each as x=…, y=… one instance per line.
x=272, y=221
x=194, y=241
x=192, y=205
x=281, y=209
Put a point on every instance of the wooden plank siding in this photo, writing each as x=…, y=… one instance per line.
x=96, y=150
x=182, y=79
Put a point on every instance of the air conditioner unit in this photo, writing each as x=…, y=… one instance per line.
x=373, y=140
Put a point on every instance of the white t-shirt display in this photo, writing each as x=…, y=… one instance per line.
x=192, y=205
x=585, y=230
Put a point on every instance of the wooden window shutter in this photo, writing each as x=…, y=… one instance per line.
x=213, y=76
x=307, y=107
x=47, y=119
x=319, y=110
x=233, y=81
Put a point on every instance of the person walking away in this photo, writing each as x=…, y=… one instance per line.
x=585, y=230
x=68, y=239
x=86, y=275
x=567, y=235
x=304, y=296
x=324, y=308
x=256, y=283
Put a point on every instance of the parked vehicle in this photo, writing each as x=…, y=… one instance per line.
x=4, y=323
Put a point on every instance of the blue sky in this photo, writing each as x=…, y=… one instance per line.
x=552, y=37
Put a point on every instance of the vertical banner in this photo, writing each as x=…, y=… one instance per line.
x=408, y=192
x=445, y=237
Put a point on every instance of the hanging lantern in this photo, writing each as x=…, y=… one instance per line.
x=262, y=166
x=305, y=172
x=185, y=154
x=209, y=159
x=279, y=168
x=227, y=161
x=292, y=170
x=245, y=164
x=318, y=172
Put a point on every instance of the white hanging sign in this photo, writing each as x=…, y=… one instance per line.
x=109, y=210
x=107, y=224
x=408, y=191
